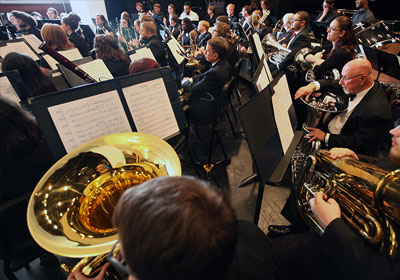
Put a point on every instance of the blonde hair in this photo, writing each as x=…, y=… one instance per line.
x=205, y=23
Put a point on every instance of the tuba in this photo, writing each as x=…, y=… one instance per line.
x=70, y=210
x=369, y=197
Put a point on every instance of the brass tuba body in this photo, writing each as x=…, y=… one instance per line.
x=277, y=56
x=70, y=210
x=369, y=197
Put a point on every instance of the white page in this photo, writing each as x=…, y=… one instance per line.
x=7, y=90
x=71, y=54
x=262, y=81
x=20, y=47
x=176, y=51
x=97, y=70
x=258, y=45
x=151, y=108
x=33, y=41
x=141, y=53
x=82, y=120
x=281, y=102
x=267, y=68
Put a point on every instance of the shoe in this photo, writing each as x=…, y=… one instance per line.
x=275, y=231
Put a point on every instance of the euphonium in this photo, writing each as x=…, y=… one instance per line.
x=70, y=210
x=369, y=197
x=275, y=57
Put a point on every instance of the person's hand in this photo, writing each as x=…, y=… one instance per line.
x=305, y=91
x=315, y=134
x=78, y=275
x=336, y=153
x=324, y=211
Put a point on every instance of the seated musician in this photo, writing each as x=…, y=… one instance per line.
x=143, y=64
x=52, y=13
x=329, y=13
x=188, y=12
x=344, y=42
x=221, y=29
x=205, y=88
x=363, y=13
x=70, y=24
x=157, y=13
x=113, y=56
x=189, y=34
x=230, y=11
x=211, y=17
x=287, y=32
x=26, y=23
x=126, y=35
x=340, y=253
x=204, y=35
x=362, y=127
x=153, y=42
x=102, y=26
x=246, y=15
x=193, y=246
x=139, y=11
x=175, y=26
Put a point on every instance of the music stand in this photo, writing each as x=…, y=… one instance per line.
x=72, y=79
x=18, y=85
x=383, y=62
x=262, y=135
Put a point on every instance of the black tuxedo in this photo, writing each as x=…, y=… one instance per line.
x=175, y=31
x=301, y=40
x=202, y=39
x=157, y=48
x=205, y=90
x=368, y=123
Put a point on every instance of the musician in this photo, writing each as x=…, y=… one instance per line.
x=205, y=88
x=113, y=56
x=188, y=13
x=363, y=13
x=189, y=34
x=27, y=24
x=102, y=26
x=300, y=38
x=221, y=29
x=246, y=13
x=204, y=35
x=143, y=64
x=191, y=245
x=148, y=36
x=139, y=11
x=160, y=16
x=171, y=14
x=175, y=26
x=286, y=35
x=224, y=19
x=329, y=13
x=362, y=127
x=35, y=81
x=337, y=54
x=230, y=11
x=52, y=13
x=70, y=24
x=211, y=17
x=36, y=15
x=126, y=35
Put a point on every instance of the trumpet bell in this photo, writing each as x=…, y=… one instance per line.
x=70, y=210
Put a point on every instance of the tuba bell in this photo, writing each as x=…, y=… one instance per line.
x=70, y=210
x=280, y=52
x=369, y=197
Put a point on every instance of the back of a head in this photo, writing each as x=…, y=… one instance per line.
x=304, y=16
x=55, y=37
x=219, y=45
x=108, y=49
x=176, y=228
x=25, y=17
x=72, y=20
x=35, y=81
x=287, y=18
x=146, y=18
x=149, y=27
x=223, y=29
x=224, y=19
x=143, y=64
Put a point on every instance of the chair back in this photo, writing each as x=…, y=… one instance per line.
x=225, y=96
x=237, y=67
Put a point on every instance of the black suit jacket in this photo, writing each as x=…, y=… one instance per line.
x=368, y=123
x=175, y=31
x=157, y=48
x=202, y=39
x=301, y=40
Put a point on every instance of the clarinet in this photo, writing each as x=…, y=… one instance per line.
x=67, y=63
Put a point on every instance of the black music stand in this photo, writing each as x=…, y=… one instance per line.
x=18, y=85
x=270, y=162
x=383, y=62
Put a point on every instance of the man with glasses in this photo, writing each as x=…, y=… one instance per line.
x=183, y=228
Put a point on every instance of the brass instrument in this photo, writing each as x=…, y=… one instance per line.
x=276, y=57
x=70, y=210
x=369, y=197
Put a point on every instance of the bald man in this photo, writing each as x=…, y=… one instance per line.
x=361, y=128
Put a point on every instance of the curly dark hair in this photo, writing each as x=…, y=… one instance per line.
x=108, y=49
x=25, y=17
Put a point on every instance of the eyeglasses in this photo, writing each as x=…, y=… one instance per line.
x=333, y=29
x=346, y=79
x=119, y=265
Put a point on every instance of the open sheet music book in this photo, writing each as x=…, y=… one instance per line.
x=141, y=53
x=71, y=54
x=97, y=70
x=7, y=90
x=18, y=46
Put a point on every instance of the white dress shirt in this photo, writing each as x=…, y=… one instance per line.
x=193, y=16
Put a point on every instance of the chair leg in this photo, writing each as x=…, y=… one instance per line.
x=233, y=109
x=8, y=271
x=230, y=123
x=210, y=147
x=220, y=143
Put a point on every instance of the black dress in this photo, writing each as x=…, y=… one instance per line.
x=80, y=43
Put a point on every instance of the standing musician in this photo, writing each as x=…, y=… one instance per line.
x=363, y=13
x=205, y=89
x=329, y=13
x=153, y=42
x=27, y=24
x=344, y=42
x=102, y=26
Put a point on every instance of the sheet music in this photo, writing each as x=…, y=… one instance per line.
x=141, y=53
x=97, y=70
x=281, y=102
x=82, y=120
x=7, y=90
x=173, y=46
x=20, y=47
x=258, y=45
x=267, y=68
x=151, y=108
x=33, y=41
x=262, y=81
x=71, y=54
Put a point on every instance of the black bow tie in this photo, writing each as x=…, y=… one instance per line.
x=351, y=96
